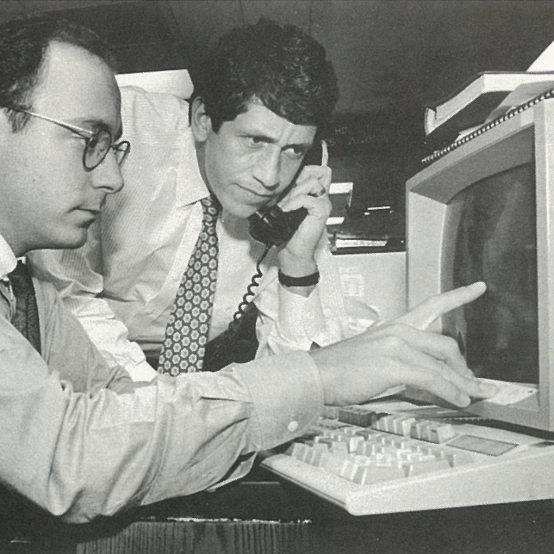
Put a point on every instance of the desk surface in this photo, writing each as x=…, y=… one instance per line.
x=267, y=516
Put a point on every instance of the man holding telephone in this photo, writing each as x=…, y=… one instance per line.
x=261, y=100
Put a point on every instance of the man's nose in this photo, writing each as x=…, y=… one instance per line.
x=268, y=167
x=107, y=176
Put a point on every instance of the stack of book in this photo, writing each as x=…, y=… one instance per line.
x=486, y=97
x=379, y=229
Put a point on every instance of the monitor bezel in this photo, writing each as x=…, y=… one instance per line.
x=526, y=137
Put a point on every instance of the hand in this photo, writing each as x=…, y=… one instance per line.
x=402, y=352
x=311, y=191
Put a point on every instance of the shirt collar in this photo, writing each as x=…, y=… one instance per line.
x=8, y=261
x=191, y=187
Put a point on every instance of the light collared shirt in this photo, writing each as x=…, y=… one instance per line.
x=80, y=439
x=122, y=283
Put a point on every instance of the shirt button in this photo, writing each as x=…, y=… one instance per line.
x=293, y=426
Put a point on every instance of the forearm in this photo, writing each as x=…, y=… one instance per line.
x=81, y=456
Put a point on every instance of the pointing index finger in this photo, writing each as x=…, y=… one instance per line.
x=429, y=310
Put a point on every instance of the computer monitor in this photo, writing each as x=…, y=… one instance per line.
x=485, y=211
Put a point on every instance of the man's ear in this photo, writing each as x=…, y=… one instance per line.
x=200, y=122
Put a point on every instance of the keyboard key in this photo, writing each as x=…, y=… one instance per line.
x=377, y=474
x=335, y=465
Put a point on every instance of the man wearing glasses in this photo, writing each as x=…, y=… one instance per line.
x=80, y=439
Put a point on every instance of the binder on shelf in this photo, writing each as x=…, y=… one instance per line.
x=471, y=104
x=521, y=95
x=537, y=85
x=486, y=127
x=376, y=231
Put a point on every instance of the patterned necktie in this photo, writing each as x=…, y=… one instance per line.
x=186, y=333
x=25, y=319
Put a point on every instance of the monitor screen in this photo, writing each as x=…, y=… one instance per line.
x=493, y=239
x=483, y=212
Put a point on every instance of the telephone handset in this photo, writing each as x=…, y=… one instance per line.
x=272, y=226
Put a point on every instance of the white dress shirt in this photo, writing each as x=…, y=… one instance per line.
x=122, y=283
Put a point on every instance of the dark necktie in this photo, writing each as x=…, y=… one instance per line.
x=186, y=333
x=26, y=319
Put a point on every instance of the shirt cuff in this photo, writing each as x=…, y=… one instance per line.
x=300, y=316
x=287, y=397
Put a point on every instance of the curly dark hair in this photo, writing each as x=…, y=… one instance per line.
x=23, y=48
x=282, y=67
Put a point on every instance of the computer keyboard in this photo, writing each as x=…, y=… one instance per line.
x=397, y=457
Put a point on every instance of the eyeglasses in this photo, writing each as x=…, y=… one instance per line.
x=97, y=144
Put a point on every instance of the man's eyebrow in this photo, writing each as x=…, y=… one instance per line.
x=271, y=140
x=259, y=135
